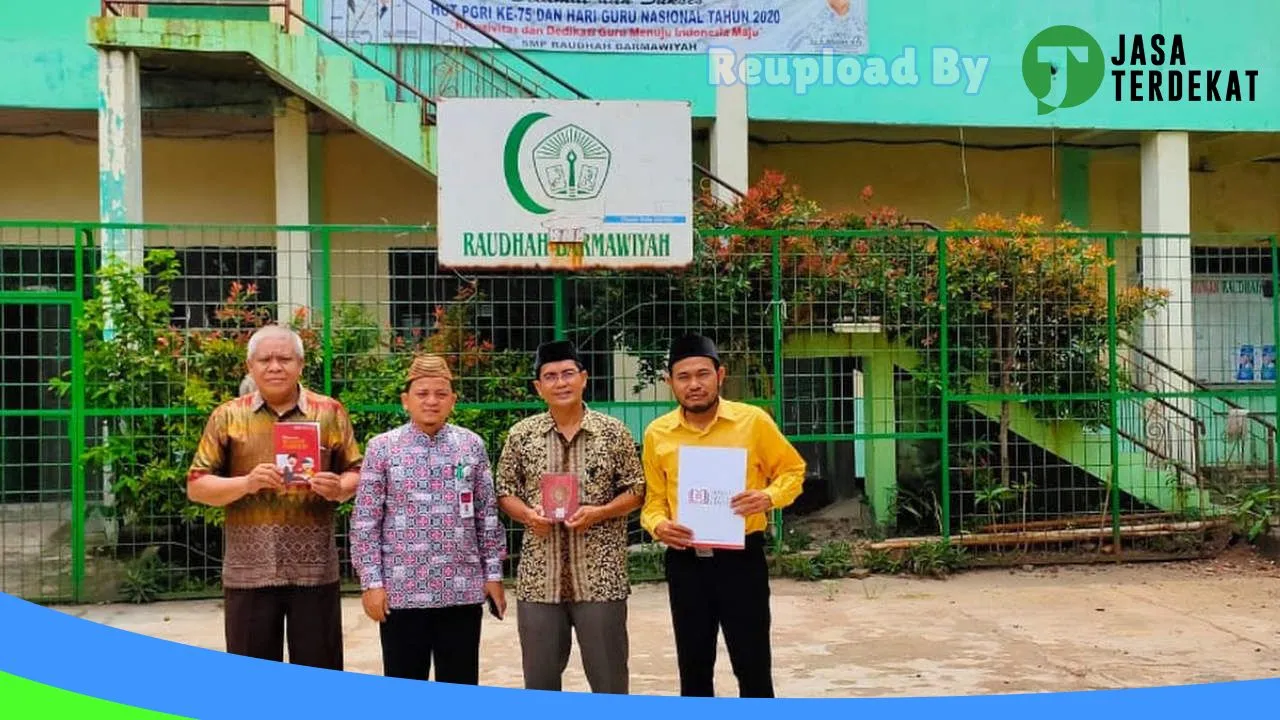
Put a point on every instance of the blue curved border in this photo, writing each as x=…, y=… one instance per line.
x=57, y=649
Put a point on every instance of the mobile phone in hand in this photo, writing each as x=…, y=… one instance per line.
x=493, y=607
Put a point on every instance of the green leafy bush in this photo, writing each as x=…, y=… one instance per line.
x=1028, y=311
x=159, y=383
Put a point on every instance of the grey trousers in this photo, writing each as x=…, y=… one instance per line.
x=545, y=642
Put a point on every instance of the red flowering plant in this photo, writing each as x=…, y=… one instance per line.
x=1028, y=306
x=369, y=374
x=727, y=291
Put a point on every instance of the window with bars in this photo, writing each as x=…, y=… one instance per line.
x=206, y=277
x=416, y=289
x=50, y=268
x=1206, y=260
x=513, y=312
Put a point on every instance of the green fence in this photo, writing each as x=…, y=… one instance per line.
x=1018, y=394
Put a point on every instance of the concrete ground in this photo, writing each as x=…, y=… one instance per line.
x=990, y=631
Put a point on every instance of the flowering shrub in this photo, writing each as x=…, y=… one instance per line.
x=1027, y=304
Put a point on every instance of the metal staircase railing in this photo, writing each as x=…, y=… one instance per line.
x=452, y=67
x=1253, y=427
x=289, y=17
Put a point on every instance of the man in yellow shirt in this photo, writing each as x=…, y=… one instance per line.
x=710, y=590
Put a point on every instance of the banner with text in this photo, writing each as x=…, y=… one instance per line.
x=1234, y=329
x=578, y=184
x=648, y=26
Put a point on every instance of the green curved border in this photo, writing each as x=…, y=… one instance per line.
x=31, y=699
x=511, y=164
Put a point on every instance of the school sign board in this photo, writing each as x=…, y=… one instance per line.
x=580, y=184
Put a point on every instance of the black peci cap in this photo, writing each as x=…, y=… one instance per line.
x=554, y=351
x=692, y=345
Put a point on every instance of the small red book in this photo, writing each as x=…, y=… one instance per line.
x=298, y=451
x=559, y=496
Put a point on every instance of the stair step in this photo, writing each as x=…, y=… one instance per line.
x=429, y=148
x=329, y=48
x=371, y=109
x=335, y=75
x=368, y=89
x=371, y=65
x=406, y=127
x=297, y=57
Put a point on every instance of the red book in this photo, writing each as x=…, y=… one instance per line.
x=559, y=496
x=298, y=451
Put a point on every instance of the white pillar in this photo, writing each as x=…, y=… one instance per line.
x=729, y=143
x=119, y=190
x=120, y=152
x=1166, y=264
x=293, y=207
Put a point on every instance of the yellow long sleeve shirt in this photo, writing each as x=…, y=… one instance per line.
x=773, y=464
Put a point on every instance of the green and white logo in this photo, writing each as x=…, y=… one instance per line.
x=569, y=162
x=1062, y=67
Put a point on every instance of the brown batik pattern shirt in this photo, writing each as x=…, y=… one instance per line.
x=572, y=566
x=276, y=538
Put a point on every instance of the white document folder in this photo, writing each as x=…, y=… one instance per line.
x=708, y=479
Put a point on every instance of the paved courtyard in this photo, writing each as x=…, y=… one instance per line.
x=990, y=631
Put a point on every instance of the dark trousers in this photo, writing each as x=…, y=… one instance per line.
x=728, y=591
x=546, y=640
x=259, y=620
x=413, y=637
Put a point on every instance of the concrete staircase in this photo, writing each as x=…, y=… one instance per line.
x=312, y=67
x=1140, y=473
x=387, y=95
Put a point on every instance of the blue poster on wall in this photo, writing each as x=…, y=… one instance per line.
x=1244, y=363
x=1268, y=362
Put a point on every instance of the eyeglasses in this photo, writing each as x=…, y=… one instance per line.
x=566, y=375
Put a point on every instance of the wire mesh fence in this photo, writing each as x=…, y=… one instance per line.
x=41, y=534
x=1015, y=394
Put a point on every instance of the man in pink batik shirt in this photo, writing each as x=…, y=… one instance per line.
x=426, y=540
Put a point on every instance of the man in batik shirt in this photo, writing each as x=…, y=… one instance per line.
x=572, y=573
x=281, y=558
x=426, y=539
